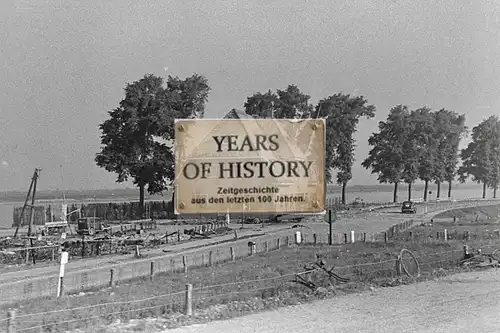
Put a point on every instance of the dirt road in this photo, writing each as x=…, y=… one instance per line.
x=467, y=302
x=78, y=265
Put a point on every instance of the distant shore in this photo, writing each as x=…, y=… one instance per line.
x=132, y=194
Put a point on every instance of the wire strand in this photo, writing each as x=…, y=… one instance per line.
x=91, y=317
x=205, y=288
x=101, y=304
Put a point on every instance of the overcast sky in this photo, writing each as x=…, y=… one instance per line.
x=63, y=64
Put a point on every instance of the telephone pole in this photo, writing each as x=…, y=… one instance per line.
x=34, y=179
x=36, y=174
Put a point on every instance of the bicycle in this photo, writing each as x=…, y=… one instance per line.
x=477, y=259
x=318, y=266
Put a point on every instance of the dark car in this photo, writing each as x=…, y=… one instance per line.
x=408, y=208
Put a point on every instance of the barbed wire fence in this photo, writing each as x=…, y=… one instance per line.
x=234, y=296
x=358, y=270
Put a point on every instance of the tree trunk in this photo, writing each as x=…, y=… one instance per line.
x=344, y=185
x=484, y=190
x=426, y=187
x=409, y=191
x=141, y=199
x=449, y=188
x=438, y=194
x=395, y=196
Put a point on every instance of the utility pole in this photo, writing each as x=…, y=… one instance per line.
x=32, y=185
x=32, y=216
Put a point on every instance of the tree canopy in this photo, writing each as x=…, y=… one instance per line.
x=410, y=145
x=130, y=136
x=290, y=103
x=342, y=113
x=387, y=157
x=417, y=144
x=481, y=158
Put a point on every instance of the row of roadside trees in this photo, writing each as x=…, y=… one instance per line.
x=423, y=145
x=410, y=145
x=417, y=144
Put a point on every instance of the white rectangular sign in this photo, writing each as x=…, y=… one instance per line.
x=249, y=165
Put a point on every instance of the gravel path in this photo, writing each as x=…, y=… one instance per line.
x=466, y=302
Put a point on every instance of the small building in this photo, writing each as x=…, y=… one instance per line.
x=237, y=114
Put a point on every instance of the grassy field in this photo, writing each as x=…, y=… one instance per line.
x=473, y=214
x=250, y=284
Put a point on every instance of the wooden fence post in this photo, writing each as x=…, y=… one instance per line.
x=466, y=251
x=353, y=236
x=53, y=253
x=445, y=235
x=210, y=259
x=278, y=243
x=172, y=264
x=83, y=247
x=231, y=250
x=112, y=277
x=330, y=228
x=178, y=235
x=11, y=321
x=385, y=237
x=152, y=270
x=184, y=263
x=189, y=300
x=251, y=247
x=315, y=238
x=398, y=267
x=266, y=247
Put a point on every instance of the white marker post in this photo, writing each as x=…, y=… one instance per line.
x=64, y=261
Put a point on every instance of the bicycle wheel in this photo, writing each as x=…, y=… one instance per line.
x=408, y=263
x=496, y=255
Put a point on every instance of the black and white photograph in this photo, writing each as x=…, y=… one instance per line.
x=249, y=166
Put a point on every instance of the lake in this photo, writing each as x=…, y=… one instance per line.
x=370, y=194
